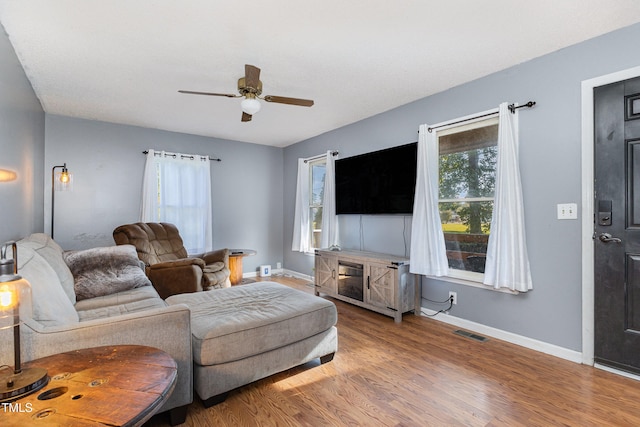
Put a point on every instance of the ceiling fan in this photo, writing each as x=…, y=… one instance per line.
x=250, y=87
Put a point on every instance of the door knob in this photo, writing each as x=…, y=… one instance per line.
x=607, y=238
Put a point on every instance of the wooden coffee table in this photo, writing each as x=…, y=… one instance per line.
x=121, y=385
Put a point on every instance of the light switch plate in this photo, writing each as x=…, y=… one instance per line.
x=567, y=211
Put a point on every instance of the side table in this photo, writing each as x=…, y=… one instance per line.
x=235, y=264
x=122, y=385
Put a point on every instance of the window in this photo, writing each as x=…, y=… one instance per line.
x=177, y=189
x=317, y=170
x=467, y=172
x=315, y=224
x=472, y=228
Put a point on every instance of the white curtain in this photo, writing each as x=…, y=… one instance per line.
x=177, y=190
x=301, y=226
x=428, y=254
x=330, y=231
x=149, y=211
x=507, y=263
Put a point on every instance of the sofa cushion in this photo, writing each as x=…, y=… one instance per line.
x=105, y=270
x=238, y=322
x=51, y=305
x=120, y=298
x=48, y=249
x=132, y=301
x=155, y=241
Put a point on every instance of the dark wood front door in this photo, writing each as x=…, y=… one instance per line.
x=617, y=225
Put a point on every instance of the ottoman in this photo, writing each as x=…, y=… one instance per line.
x=245, y=333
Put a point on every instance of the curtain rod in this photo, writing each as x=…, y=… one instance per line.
x=512, y=108
x=174, y=155
x=333, y=153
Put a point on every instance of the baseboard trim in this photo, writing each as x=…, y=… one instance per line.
x=297, y=275
x=543, y=347
x=280, y=272
x=530, y=343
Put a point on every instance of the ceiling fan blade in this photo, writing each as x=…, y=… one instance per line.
x=290, y=101
x=251, y=76
x=246, y=117
x=191, y=92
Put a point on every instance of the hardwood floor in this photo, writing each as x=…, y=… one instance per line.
x=419, y=373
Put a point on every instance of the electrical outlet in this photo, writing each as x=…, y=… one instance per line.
x=453, y=295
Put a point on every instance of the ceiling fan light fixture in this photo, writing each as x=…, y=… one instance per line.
x=250, y=105
x=250, y=89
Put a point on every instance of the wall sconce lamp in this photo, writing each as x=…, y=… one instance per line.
x=15, y=303
x=61, y=181
x=7, y=175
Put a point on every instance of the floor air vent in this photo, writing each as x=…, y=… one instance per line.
x=479, y=338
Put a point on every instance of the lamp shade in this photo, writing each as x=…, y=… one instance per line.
x=63, y=180
x=15, y=301
x=15, y=292
x=250, y=105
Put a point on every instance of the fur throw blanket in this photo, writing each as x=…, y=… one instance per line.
x=105, y=270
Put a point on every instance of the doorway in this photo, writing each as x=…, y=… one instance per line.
x=588, y=208
x=617, y=225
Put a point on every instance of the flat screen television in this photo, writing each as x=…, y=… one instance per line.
x=380, y=182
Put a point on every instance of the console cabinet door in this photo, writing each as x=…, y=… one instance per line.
x=326, y=274
x=381, y=285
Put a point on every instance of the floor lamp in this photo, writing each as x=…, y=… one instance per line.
x=61, y=181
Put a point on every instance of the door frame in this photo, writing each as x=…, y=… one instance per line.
x=588, y=246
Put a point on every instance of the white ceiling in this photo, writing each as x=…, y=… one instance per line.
x=123, y=61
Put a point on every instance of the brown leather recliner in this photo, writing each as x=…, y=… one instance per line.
x=167, y=264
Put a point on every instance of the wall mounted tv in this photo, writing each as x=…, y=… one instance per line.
x=381, y=182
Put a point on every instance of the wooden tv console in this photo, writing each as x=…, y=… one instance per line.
x=378, y=282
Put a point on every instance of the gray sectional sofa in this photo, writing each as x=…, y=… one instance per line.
x=228, y=337
x=245, y=333
x=63, y=322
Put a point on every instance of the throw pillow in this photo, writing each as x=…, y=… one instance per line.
x=105, y=270
x=51, y=306
x=52, y=253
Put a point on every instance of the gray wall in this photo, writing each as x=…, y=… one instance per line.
x=255, y=199
x=550, y=137
x=107, y=162
x=21, y=148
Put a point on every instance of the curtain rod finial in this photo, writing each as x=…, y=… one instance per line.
x=513, y=108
